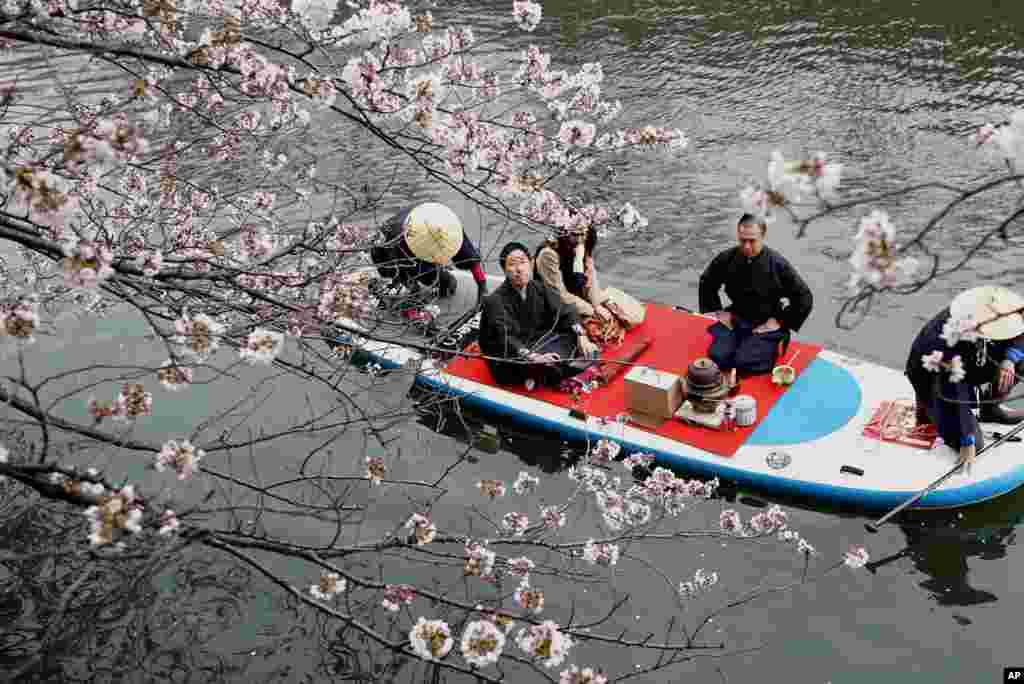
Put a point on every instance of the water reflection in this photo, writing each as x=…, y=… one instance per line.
x=942, y=545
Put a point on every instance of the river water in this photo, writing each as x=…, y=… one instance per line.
x=890, y=89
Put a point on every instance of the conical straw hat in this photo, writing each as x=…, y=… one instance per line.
x=433, y=232
x=985, y=303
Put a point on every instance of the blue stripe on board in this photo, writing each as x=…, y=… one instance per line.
x=822, y=400
x=870, y=499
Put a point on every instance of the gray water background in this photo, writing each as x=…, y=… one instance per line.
x=889, y=89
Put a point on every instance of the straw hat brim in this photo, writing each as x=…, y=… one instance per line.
x=433, y=233
x=985, y=303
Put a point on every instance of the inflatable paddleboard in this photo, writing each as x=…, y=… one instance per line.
x=841, y=434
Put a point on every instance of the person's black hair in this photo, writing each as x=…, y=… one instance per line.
x=508, y=249
x=750, y=218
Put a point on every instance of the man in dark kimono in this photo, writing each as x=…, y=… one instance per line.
x=994, y=361
x=396, y=260
x=757, y=280
x=525, y=330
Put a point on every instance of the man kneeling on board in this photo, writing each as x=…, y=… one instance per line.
x=759, y=282
x=945, y=387
x=526, y=332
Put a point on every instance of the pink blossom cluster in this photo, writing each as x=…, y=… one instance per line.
x=102, y=142
x=378, y=22
x=86, y=264
x=491, y=488
x=875, y=259
x=600, y=553
x=671, y=492
x=637, y=459
x=515, y=523
x=370, y=85
x=330, y=585
x=430, y=639
x=422, y=529
x=285, y=284
x=261, y=347
x=856, y=557
x=19, y=320
x=646, y=137
x=528, y=598
x=397, y=595
x=586, y=675
x=603, y=452
x=520, y=567
x=527, y=14
x=479, y=560
x=115, y=514
x=253, y=243
x=774, y=520
x=347, y=298
x=546, y=643
x=935, y=362
x=133, y=401
x=150, y=263
x=553, y=517
x=340, y=236
x=182, y=457
x=376, y=469
x=482, y=643
x=1008, y=139
x=197, y=336
x=169, y=523
x=702, y=581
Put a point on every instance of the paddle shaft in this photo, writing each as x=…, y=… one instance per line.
x=873, y=527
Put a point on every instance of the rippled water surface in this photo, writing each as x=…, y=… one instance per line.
x=890, y=89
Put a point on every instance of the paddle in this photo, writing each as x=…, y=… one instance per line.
x=873, y=527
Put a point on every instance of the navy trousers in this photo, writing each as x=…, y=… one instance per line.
x=741, y=348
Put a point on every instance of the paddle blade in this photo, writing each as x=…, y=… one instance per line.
x=871, y=527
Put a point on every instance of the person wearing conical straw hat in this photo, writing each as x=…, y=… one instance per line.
x=419, y=242
x=975, y=343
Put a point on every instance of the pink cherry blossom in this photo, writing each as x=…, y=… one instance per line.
x=527, y=14
x=856, y=557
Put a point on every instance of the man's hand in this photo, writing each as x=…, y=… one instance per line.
x=1007, y=376
x=550, y=357
x=967, y=454
x=587, y=347
x=602, y=312
x=724, y=317
x=771, y=325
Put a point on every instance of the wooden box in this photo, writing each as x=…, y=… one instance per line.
x=652, y=396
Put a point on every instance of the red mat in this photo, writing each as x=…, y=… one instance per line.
x=678, y=338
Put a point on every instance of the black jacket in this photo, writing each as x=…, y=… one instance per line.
x=949, y=403
x=755, y=287
x=511, y=327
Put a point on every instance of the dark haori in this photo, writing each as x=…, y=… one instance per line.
x=768, y=301
x=949, y=380
x=526, y=332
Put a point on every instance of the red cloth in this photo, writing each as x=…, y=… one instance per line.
x=478, y=273
x=896, y=421
x=678, y=338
